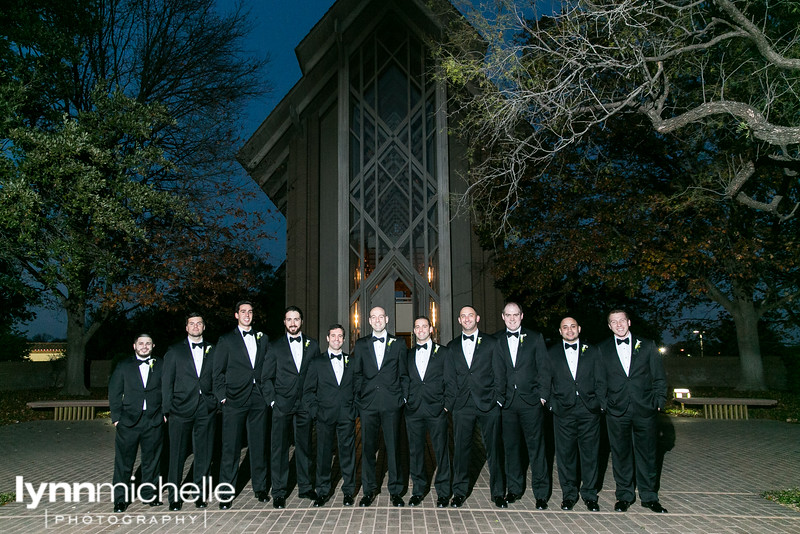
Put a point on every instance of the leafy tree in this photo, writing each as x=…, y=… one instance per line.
x=118, y=125
x=614, y=216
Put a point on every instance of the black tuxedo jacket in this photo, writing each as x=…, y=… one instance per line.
x=234, y=376
x=426, y=397
x=326, y=400
x=127, y=393
x=484, y=382
x=525, y=380
x=382, y=389
x=566, y=392
x=181, y=386
x=644, y=390
x=281, y=381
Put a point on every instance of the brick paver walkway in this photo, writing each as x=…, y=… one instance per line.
x=713, y=474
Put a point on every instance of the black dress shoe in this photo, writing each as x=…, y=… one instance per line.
x=458, y=501
x=319, y=501
x=155, y=502
x=592, y=506
x=567, y=504
x=397, y=500
x=621, y=506
x=310, y=495
x=175, y=506
x=366, y=500
x=279, y=502
x=513, y=497
x=541, y=504
x=415, y=500
x=654, y=506
x=348, y=500
x=200, y=504
x=441, y=502
x=262, y=496
x=120, y=506
x=225, y=505
x=500, y=502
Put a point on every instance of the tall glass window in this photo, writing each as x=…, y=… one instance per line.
x=393, y=192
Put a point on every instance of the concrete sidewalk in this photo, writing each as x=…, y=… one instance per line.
x=713, y=474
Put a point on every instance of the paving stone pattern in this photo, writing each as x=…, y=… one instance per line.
x=713, y=474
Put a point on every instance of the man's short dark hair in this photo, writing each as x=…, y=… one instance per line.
x=418, y=317
x=294, y=309
x=242, y=303
x=336, y=326
x=618, y=310
x=143, y=334
x=194, y=314
x=511, y=302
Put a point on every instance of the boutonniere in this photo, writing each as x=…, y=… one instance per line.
x=308, y=342
x=522, y=338
x=479, y=340
x=391, y=340
x=152, y=363
x=346, y=361
x=259, y=335
x=583, y=348
x=638, y=345
x=208, y=348
x=435, y=350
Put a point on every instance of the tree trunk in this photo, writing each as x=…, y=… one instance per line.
x=745, y=317
x=76, y=349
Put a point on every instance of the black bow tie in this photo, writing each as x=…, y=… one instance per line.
x=573, y=346
x=510, y=334
x=146, y=360
x=195, y=345
x=466, y=337
x=336, y=356
x=627, y=341
x=246, y=333
x=295, y=339
x=424, y=346
x=374, y=339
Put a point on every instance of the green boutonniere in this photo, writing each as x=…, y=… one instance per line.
x=638, y=345
x=479, y=340
x=152, y=362
x=391, y=340
x=583, y=348
x=259, y=335
x=308, y=342
x=208, y=348
x=522, y=338
x=346, y=360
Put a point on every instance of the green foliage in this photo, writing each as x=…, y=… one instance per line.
x=789, y=498
x=7, y=497
x=14, y=409
x=13, y=345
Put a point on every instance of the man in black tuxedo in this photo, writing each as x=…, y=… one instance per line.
x=475, y=389
x=329, y=395
x=379, y=370
x=190, y=407
x=425, y=413
x=238, y=362
x=576, y=414
x=284, y=373
x=134, y=396
x=632, y=387
x=524, y=357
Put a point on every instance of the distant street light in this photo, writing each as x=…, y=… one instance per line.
x=700, y=333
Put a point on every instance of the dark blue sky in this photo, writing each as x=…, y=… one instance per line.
x=280, y=25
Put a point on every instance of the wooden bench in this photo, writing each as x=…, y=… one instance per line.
x=71, y=410
x=726, y=408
